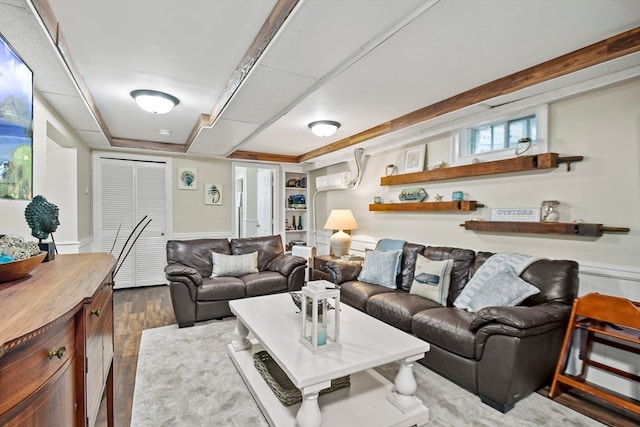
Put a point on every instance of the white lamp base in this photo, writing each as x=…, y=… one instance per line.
x=340, y=243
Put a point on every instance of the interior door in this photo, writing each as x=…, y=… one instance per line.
x=133, y=219
x=264, y=196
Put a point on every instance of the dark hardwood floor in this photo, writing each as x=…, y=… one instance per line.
x=137, y=309
x=134, y=310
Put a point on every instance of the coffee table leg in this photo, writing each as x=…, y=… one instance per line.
x=403, y=397
x=309, y=414
x=240, y=341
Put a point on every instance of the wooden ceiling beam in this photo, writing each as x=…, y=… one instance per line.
x=263, y=157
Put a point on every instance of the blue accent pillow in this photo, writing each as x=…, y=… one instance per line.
x=380, y=268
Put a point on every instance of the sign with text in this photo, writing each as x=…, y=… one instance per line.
x=516, y=214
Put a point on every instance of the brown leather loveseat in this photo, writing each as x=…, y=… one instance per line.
x=501, y=353
x=197, y=296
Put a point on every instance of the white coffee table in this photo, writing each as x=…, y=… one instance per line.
x=274, y=323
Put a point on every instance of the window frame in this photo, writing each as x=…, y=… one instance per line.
x=461, y=138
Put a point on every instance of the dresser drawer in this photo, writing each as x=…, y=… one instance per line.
x=29, y=365
x=98, y=307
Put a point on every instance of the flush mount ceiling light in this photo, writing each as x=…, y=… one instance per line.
x=324, y=127
x=154, y=101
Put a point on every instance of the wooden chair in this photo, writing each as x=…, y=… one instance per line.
x=607, y=320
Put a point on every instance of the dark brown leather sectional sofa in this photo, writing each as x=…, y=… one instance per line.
x=501, y=354
x=196, y=296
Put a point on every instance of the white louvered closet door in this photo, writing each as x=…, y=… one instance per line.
x=130, y=191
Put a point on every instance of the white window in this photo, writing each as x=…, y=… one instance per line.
x=501, y=138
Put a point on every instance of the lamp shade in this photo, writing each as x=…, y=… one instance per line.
x=154, y=101
x=324, y=128
x=340, y=219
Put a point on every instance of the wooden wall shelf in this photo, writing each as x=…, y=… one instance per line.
x=558, y=228
x=518, y=164
x=464, y=205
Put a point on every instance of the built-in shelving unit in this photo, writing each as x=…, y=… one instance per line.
x=294, y=213
x=464, y=205
x=557, y=228
x=518, y=164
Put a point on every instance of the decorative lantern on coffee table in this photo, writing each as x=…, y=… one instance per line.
x=320, y=316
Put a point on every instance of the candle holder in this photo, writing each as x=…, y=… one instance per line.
x=320, y=324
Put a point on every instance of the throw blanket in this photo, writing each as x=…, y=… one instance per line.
x=392, y=245
x=504, y=267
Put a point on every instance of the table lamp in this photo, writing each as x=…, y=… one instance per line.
x=340, y=219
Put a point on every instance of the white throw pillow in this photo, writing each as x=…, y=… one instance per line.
x=380, y=268
x=431, y=279
x=234, y=265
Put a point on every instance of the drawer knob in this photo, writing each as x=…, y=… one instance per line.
x=96, y=312
x=59, y=353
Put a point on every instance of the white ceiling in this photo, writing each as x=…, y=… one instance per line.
x=359, y=62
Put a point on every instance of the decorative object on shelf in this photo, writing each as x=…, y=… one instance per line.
x=340, y=220
x=457, y=195
x=42, y=218
x=414, y=158
x=441, y=164
x=213, y=194
x=297, y=201
x=438, y=198
x=390, y=170
x=515, y=214
x=300, y=222
x=293, y=225
x=413, y=195
x=287, y=226
x=292, y=183
x=377, y=199
x=550, y=211
x=320, y=329
x=523, y=145
x=187, y=179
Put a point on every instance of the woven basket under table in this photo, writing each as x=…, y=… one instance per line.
x=281, y=385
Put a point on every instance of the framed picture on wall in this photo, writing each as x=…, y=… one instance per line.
x=16, y=125
x=213, y=194
x=414, y=158
x=187, y=179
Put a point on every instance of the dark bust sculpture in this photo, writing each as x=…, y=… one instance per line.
x=42, y=217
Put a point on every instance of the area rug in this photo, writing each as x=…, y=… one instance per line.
x=186, y=379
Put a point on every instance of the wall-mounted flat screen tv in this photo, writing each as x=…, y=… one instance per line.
x=16, y=124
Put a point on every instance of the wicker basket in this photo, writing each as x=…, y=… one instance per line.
x=281, y=385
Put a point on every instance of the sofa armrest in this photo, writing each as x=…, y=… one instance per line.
x=341, y=271
x=521, y=317
x=176, y=272
x=285, y=264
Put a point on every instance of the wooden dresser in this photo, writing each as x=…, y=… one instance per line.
x=56, y=343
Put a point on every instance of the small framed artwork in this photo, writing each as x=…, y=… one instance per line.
x=213, y=194
x=187, y=179
x=414, y=158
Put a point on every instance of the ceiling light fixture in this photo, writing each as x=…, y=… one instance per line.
x=154, y=101
x=324, y=128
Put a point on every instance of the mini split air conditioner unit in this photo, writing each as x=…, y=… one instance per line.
x=335, y=181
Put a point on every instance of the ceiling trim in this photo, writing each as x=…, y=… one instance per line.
x=611, y=48
x=263, y=39
x=147, y=145
x=263, y=157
